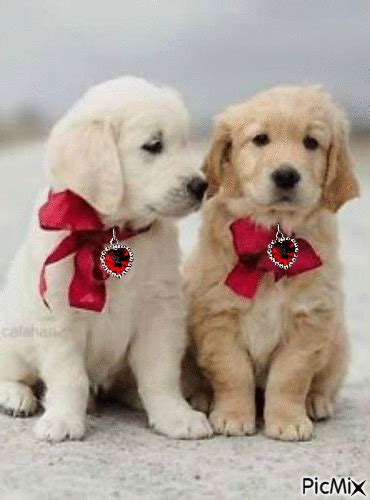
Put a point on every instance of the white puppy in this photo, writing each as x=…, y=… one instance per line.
x=124, y=149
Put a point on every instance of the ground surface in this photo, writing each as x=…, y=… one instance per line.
x=121, y=458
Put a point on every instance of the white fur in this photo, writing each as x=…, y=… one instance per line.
x=96, y=151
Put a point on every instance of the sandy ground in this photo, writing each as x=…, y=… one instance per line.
x=122, y=458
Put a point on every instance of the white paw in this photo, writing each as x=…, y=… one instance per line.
x=17, y=399
x=181, y=422
x=54, y=428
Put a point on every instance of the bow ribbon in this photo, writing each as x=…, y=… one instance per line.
x=67, y=211
x=250, y=243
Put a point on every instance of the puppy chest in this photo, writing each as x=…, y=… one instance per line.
x=110, y=336
x=261, y=329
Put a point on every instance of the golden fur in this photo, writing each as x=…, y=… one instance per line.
x=290, y=339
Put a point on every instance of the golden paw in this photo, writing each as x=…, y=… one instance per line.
x=319, y=406
x=232, y=423
x=292, y=429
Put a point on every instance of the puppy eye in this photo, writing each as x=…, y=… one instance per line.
x=153, y=147
x=310, y=143
x=261, y=140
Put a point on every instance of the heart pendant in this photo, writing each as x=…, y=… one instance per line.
x=283, y=251
x=116, y=258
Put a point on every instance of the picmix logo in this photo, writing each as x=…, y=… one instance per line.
x=333, y=486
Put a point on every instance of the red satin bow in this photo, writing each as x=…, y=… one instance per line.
x=250, y=243
x=67, y=211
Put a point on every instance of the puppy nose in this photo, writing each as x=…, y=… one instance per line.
x=285, y=177
x=196, y=187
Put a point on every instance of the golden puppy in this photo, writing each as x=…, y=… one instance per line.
x=281, y=157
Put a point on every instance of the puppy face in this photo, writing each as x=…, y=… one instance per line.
x=124, y=148
x=159, y=174
x=284, y=151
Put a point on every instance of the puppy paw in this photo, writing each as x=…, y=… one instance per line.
x=232, y=422
x=182, y=423
x=292, y=429
x=56, y=428
x=319, y=407
x=17, y=399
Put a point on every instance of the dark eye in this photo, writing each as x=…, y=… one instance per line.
x=261, y=140
x=155, y=146
x=310, y=143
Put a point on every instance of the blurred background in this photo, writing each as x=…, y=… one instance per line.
x=214, y=52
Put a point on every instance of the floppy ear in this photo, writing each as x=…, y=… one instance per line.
x=340, y=184
x=84, y=159
x=217, y=157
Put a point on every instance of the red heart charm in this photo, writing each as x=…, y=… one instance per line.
x=116, y=259
x=283, y=252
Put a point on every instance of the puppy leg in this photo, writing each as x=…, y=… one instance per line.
x=195, y=387
x=155, y=358
x=230, y=372
x=326, y=383
x=291, y=372
x=16, y=397
x=64, y=374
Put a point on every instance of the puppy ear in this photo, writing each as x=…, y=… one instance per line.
x=84, y=159
x=217, y=157
x=340, y=184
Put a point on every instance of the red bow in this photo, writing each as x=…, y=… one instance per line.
x=250, y=243
x=67, y=211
